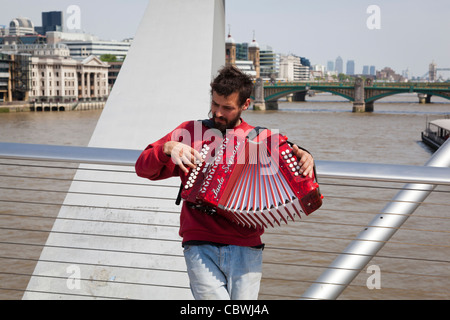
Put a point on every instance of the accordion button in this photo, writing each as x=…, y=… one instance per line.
x=293, y=169
x=288, y=161
x=296, y=174
x=291, y=165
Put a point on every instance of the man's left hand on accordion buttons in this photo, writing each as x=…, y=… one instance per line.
x=306, y=161
x=185, y=156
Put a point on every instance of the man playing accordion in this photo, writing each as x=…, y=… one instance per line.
x=224, y=259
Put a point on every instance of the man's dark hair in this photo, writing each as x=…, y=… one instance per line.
x=230, y=80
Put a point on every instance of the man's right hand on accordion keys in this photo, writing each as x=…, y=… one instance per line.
x=182, y=155
x=267, y=181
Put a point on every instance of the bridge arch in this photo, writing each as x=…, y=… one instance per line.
x=278, y=95
x=431, y=93
x=394, y=92
x=383, y=95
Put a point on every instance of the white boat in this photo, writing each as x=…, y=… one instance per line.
x=436, y=133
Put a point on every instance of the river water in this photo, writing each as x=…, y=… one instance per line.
x=414, y=265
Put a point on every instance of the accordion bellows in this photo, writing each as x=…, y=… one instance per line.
x=255, y=183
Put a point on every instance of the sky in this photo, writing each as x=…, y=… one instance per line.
x=401, y=34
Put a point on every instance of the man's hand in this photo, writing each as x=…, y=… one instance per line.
x=306, y=161
x=182, y=154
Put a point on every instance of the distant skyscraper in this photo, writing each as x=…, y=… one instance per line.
x=350, y=67
x=339, y=65
x=51, y=21
x=330, y=66
x=373, y=72
x=365, y=70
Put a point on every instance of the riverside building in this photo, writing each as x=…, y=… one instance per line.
x=83, y=45
x=53, y=76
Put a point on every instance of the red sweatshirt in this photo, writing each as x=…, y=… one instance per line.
x=154, y=164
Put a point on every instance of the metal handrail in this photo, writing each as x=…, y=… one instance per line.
x=378, y=232
x=325, y=169
x=88, y=155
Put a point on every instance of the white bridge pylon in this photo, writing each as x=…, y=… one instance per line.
x=105, y=252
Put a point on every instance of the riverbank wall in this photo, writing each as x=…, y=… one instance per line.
x=6, y=107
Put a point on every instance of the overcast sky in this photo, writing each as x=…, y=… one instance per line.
x=408, y=34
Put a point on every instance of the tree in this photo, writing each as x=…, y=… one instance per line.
x=108, y=58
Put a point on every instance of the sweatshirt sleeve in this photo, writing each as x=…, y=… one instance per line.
x=154, y=164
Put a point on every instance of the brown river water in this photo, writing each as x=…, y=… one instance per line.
x=413, y=265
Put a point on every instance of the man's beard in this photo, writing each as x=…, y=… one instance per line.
x=222, y=127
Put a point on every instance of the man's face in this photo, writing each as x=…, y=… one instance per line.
x=226, y=110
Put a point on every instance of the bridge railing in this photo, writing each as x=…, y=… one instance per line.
x=35, y=179
x=375, y=84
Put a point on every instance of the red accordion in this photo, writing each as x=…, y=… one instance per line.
x=253, y=182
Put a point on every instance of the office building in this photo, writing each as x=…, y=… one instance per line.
x=5, y=77
x=350, y=67
x=365, y=70
x=242, y=51
x=330, y=66
x=15, y=76
x=291, y=69
x=51, y=21
x=269, y=63
x=83, y=45
x=247, y=67
x=339, y=65
x=369, y=70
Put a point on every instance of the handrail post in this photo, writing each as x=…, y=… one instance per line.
x=341, y=272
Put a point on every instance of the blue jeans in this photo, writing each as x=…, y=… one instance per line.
x=223, y=272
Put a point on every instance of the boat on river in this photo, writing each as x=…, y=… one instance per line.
x=436, y=133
